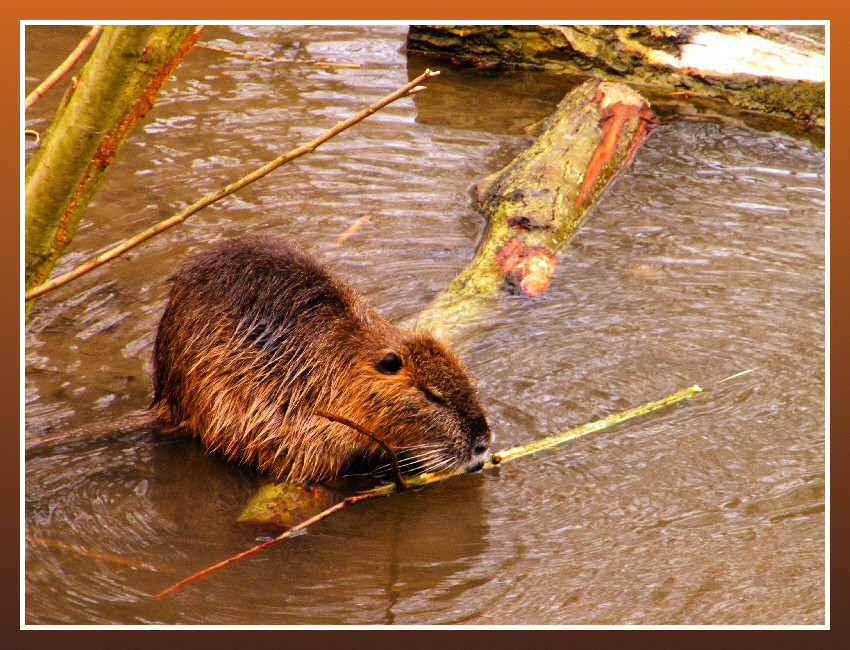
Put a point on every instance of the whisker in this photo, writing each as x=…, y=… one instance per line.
x=420, y=458
x=437, y=464
x=427, y=454
x=423, y=446
x=402, y=464
x=424, y=459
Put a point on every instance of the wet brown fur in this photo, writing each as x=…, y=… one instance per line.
x=257, y=336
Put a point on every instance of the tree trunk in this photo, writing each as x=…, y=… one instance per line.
x=534, y=205
x=755, y=69
x=116, y=88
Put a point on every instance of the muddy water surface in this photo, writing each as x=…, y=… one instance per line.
x=705, y=258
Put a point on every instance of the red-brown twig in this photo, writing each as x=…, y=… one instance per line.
x=288, y=533
x=311, y=146
x=60, y=72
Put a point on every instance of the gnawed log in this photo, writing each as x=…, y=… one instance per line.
x=534, y=205
x=713, y=68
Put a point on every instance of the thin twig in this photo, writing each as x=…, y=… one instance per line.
x=551, y=441
x=311, y=146
x=325, y=64
x=735, y=376
x=271, y=59
x=289, y=533
x=496, y=459
x=399, y=481
x=241, y=55
x=60, y=72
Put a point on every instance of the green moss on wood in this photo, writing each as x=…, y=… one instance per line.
x=629, y=52
x=532, y=199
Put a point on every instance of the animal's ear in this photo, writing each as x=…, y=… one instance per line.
x=390, y=363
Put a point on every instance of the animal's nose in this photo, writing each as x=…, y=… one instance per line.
x=476, y=467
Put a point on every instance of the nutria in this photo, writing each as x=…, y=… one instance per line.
x=257, y=337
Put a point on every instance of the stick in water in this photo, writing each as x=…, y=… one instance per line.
x=496, y=459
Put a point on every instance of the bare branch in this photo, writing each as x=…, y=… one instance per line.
x=311, y=146
x=60, y=72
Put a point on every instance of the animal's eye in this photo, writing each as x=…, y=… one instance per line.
x=390, y=364
x=432, y=397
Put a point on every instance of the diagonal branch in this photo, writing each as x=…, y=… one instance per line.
x=311, y=146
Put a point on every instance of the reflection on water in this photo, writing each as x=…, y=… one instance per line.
x=705, y=258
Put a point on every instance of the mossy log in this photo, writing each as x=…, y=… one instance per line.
x=115, y=89
x=719, y=69
x=534, y=205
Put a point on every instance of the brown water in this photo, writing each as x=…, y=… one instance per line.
x=705, y=258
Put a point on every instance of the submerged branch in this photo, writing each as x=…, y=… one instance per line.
x=311, y=146
x=94, y=555
x=349, y=232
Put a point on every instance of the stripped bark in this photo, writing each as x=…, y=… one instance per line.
x=116, y=88
x=535, y=204
x=724, y=70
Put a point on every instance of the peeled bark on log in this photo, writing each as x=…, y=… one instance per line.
x=534, y=205
x=116, y=88
x=756, y=69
